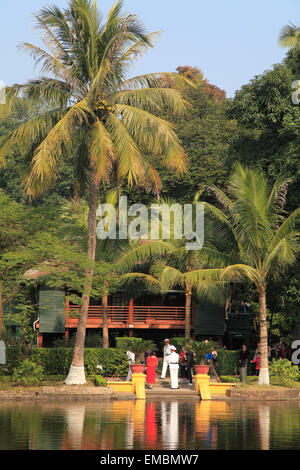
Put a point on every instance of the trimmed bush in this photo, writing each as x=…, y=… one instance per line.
x=284, y=371
x=100, y=381
x=57, y=361
x=28, y=373
x=228, y=362
x=178, y=342
x=123, y=343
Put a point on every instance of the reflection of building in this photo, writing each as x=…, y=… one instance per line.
x=138, y=313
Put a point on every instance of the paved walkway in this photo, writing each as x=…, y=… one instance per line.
x=162, y=387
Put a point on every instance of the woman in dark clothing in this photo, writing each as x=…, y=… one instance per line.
x=189, y=365
x=243, y=361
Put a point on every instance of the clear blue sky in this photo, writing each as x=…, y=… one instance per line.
x=231, y=41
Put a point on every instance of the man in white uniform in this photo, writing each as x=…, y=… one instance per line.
x=167, y=352
x=174, y=367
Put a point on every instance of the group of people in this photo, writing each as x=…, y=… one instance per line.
x=178, y=364
x=279, y=351
x=242, y=309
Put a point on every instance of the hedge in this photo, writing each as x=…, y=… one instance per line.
x=57, y=361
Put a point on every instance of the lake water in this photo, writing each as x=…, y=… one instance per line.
x=151, y=424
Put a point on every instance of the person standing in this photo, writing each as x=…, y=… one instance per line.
x=189, y=366
x=243, y=361
x=257, y=362
x=276, y=353
x=182, y=357
x=167, y=352
x=174, y=366
x=131, y=359
x=152, y=362
x=212, y=360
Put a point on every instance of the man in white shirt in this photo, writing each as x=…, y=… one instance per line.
x=167, y=352
x=131, y=358
x=174, y=367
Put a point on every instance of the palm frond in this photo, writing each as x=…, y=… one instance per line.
x=142, y=253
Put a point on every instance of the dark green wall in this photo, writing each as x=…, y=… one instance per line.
x=52, y=311
x=209, y=320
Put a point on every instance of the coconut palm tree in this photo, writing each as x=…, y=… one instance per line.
x=88, y=110
x=169, y=264
x=261, y=241
x=290, y=37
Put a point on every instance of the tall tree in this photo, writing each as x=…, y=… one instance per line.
x=90, y=110
x=261, y=242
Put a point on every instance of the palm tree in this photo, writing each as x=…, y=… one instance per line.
x=261, y=241
x=290, y=37
x=89, y=111
x=163, y=276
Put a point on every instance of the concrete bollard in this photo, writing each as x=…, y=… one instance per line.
x=202, y=386
x=139, y=384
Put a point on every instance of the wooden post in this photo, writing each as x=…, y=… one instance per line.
x=67, y=309
x=67, y=335
x=130, y=318
x=40, y=340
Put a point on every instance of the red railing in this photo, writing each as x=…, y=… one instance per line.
x=131, y=316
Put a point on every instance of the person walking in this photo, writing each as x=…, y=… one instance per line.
x=243, y=361
x=152, y=362
x=174, y=367
x=167, y=352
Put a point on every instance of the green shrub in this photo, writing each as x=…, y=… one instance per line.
x=124, y=343
x=284, y=371
x=57, y=361
x=100, y=381
x=179, y=341
x=13, y=358
x=28, y=373
x=228, y=362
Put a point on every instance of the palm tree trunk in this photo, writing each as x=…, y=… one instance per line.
x=188, y=301
x=1, y=312
x=76, y=374
x=263, y=378
x=105, y=322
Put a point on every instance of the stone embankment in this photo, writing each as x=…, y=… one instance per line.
x=67, y=392
x=263, y=395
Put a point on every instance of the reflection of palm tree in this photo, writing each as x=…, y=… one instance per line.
x=75, y=422
x=264, y=426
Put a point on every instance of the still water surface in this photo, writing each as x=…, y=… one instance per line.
x=166, y=424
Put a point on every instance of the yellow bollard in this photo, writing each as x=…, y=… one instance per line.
x=139, y=382
x=202, y=386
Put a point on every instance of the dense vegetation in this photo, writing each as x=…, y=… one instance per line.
x=258, y=128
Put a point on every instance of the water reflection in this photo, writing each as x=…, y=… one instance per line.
x=154, y=424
